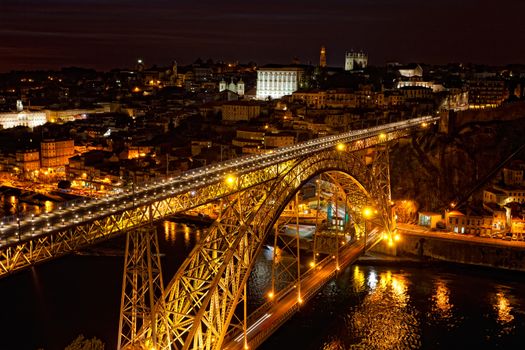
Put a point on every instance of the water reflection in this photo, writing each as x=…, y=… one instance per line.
x=372, y=279
x=383, y=320
x=173, y=231
x=442, y=307
x=359, y=279
x=8, y=207
x=503, y=308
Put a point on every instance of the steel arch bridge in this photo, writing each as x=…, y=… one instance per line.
x=199, y=303
x=197, y=308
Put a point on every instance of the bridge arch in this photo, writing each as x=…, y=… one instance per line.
x=200, y=301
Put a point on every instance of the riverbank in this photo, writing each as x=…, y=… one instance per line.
x=380, y=260
x=482, y=254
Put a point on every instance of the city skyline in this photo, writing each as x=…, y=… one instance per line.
x=50, y=34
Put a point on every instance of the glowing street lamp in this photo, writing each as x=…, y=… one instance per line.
x=341, y=147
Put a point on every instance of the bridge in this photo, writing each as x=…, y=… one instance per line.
x=204, y=306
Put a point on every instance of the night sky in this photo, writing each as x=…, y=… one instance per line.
x=113, y=33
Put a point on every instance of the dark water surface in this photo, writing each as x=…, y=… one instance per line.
x=366, y=307
x=385, y=307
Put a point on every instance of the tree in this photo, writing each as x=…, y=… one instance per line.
x=80, y=343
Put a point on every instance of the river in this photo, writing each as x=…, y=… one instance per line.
x=365, y=307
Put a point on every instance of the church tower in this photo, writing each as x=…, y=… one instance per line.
x=322, y=58
x=222, y=85
x=240, y=87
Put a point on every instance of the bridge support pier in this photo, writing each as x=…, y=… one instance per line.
x=142, y=288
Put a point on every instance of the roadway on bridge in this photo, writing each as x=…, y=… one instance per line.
x=283, y=309
x=13, y=229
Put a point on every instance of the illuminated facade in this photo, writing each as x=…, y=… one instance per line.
x=56, y=153
x=28, y=160
x=238, y=87
x=356, y=60
x=279, y=140
x=278, y=82
x=322, y=57
x=240, y=110
x=29, y=119
x=487, y=93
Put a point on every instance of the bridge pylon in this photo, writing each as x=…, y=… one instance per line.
x=142, y=288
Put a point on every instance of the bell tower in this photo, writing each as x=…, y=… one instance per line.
x=322, y=57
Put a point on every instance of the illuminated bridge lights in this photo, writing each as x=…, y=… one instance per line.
x=279, y=171
x=231, y=179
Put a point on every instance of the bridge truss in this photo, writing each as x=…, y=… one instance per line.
x=196, y=309
x=200, y=302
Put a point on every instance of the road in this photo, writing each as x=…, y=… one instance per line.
x=415, y=230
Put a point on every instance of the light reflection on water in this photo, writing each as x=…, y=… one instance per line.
x=383, y=319
x=442, y=307
x=8, y=207
x=172, y=231
x=379, y=307
x=503, y=308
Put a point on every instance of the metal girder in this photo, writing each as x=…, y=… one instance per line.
x=200, y=300
x=108, y=221
x=142, y=288
x=40, y=243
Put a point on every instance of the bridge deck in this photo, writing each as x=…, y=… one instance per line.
x=29, y=240
x=279, y=312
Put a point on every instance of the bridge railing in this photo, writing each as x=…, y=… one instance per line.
x=251, y=162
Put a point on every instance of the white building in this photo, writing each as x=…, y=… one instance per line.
x=237, y=88
x=278, y=82
x=29, y=119
x=356, y=60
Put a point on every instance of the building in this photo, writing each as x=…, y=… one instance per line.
x=276, y=82
x=56, y=153
x=249, y=137
x=487, y=93
x=281, y=139
x=322, y=57
x=238, y=87
x=240, y=111
x=24, y=118
x=475, y=223
x=68, y=115
x=315, y=99
x=411, y=71
x=416, y=93
x=518, y=228
x=504, y=195
x=513, y=176
x=336, y=98
x=429, y=219
x=28, y=160
x=355, y=60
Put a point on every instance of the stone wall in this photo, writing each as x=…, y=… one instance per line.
x=511, y=111
x=511, y=258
